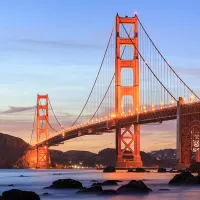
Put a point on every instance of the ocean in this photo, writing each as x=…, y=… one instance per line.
x=36, y=180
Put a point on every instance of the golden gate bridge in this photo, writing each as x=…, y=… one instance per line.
x=135, y=85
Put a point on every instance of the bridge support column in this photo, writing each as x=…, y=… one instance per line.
x=128, y=146
x=42, y=131
x=127, y=138
x=188, y=132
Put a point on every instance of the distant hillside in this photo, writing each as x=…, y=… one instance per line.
x=13, y=153
x=164, y=154
x=11, y=148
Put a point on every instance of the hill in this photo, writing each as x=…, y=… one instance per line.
x=13, y=153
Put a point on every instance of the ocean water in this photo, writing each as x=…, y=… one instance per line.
x=36, y=180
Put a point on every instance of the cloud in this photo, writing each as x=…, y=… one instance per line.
x=13, y=109
x=59, y=44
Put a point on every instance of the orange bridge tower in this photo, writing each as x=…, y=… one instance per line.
x=127, y=137
x=42, y=130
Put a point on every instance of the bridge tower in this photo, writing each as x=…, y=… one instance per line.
x=129, y=156
x=42, y=130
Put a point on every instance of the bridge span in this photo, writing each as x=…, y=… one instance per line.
x=135, y=85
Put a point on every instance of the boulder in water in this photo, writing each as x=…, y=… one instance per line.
x=66, y=183
x=20, y=195
x=110, y=182
x=194, y=168
x=93, y=189
x=160, y=170
x=96, y=184
x=134, y=187
x=184, y=178
x=108, y=192
x=109, y=169
x=140, y=169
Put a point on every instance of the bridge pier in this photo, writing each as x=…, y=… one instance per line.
x=188, y=132
x=128, y=146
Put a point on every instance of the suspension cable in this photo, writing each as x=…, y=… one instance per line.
x=147, y=63
x=55, y=116
x=33, y=124
x=165, y=59
x=95, y=79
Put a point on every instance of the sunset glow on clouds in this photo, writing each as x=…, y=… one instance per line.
x=57, y=48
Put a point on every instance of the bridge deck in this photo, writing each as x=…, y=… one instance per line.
x=108, y=125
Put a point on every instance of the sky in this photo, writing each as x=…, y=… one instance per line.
x=56, y=47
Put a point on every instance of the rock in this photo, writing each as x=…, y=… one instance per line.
x=140, y=170
x=184, y=178
x=10, y=185
x=66, y=183
x=163, y=189
x=1, y=198
x=109, y=169
x=45, y=194
x=194, y=168
x=110, y=182
x=97, y=184
x=108, y=192
x=93, y=181
x=20, y=195
x=22, y=176
x=180, y=170
x=134, y=187
x=162, y=170
x=93, y=189
x=130, y=170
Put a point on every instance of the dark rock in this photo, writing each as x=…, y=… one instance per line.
x=20, y=195
x=66, y=183
x=10, y=185
x=134, y=187
x=93, y=189
x=195, y=168
x=57, y=174
x=23, y=176
x=109, y=169
x=140, y=170
x=130, y=170
x=180, y=170
x=108, y=192
x=93, y=181
x=184, y=178
x=163, y=189
x=162, y=170
x=110, y=182
x=97, y=184
x=1, y=198
x=45, y=194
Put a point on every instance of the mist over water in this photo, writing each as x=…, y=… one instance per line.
x=36, y=180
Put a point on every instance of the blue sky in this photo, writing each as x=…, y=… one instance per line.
x=57, y=46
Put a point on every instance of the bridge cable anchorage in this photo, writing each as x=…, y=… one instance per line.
x=147, y=64
x=166, y=60
x=95, y=79
x=56, y=116
x=109, y=83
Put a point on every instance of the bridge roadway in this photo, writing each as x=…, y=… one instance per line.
x=157, y=115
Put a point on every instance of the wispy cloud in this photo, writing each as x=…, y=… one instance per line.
x=13, y=109
x=59, y=44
